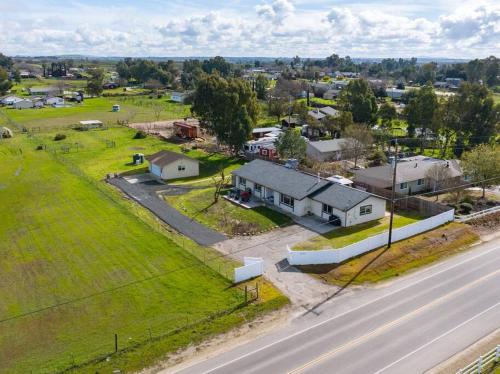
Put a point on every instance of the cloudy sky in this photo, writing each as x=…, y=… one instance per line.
x=309, y=28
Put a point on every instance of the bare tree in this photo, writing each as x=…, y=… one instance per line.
x=219, y=183
x=157, y=111
x=357, y=143
x=438, y=177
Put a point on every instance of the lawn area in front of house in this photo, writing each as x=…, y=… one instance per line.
x=348, y=235
x=225, y=216
x=403, y=256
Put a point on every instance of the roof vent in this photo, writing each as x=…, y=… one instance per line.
x=416, y=164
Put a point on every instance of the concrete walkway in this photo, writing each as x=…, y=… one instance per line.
x=147, y=197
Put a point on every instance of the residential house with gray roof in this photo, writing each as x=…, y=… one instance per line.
x=412, y=174
x=303, y=194
x=325, y=150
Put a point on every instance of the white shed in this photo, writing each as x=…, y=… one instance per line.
x=172, y=165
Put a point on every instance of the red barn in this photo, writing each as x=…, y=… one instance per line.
x=186, y=130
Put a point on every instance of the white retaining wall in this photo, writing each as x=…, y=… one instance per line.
x=254, y=266
x=330, y=256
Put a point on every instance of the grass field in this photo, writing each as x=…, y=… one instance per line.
x=225, y=216
x=347, y=235
x=133, y=109
x=78, y=267
x=403, y=256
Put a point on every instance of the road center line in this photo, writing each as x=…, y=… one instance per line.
x=387, y=326
x=349, y=311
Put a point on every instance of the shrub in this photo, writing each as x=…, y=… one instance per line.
x=39, y=147
x=59, y=137
x=465, y=208
x=140, y=134
x=468, y=199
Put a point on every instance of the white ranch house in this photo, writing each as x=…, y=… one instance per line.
x=303, y=194
x=172, y=165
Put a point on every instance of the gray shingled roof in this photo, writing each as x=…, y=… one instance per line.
x=328, y=145
x=163, y=158
x=329, y=111
x=281, y=179
x=408, y=171
x=340, y=197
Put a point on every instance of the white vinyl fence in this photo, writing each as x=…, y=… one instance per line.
x=483, y=362
x=332, y=256
x=253, y=267
x=477, y=214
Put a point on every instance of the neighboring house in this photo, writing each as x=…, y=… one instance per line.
x=325, y=150
x=263, y=146
x=395, y=93
x=329, y=111
x=303, y=194
x=331, y=94
x=54, y=101
x=23, y=104
x=453, y=83
x=412, y=174
x=186, y=130
x=91, y=124
x=179, y=97
x=44, y=91
x=172, y=165
x=290, y=122
x=315, y=113
x=260, y=132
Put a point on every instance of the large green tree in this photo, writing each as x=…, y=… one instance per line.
x=387, y=113
x=218, y=64
x=5, y=83
x=227, y=107
x=95, y=82
x=6, y=62
x=261, y=83
x=420, y=111
x=358, y=98
x=290, y=144
x=481, y=165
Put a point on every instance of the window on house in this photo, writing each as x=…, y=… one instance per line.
x=365, y=209
x=327, y=209
x=403, y=186
x=420, y=182
x=287, y=200
x=257, y=187
x=243, y=181
x=181, y=167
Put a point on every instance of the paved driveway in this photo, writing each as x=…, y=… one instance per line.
x=145, y=193
x=301, y=288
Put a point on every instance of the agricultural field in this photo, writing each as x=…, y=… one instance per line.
x=343, y=236
x=133, y=109
x=80, y=264
x=225, y=216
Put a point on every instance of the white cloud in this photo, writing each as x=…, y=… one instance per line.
x=272, y=28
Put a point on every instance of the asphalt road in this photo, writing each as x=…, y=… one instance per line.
x=408, y=326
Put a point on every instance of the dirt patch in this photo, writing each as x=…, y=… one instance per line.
x=487, y=224
x=403, y=256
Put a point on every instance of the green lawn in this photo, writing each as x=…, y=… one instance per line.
x=79, y=265
x=133, y=109
x=225, y=216
x=348, y=235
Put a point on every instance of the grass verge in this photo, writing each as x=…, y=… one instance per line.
x=343, y=236
x=403, y=256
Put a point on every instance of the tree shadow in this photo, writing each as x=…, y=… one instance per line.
x=346, y=285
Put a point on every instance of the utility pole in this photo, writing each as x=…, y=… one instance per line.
x=393, y=192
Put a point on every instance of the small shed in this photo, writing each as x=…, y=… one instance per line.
x=138, y=159
x=116, y=108
x=91, y=124
x=172, y=165
x=186, y=130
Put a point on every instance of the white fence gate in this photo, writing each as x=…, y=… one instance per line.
x=334, y=256
x=253, y=267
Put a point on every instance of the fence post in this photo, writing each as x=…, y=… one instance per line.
x=246, y=293
x=479, y=364
x=257, y=289
x=116, y=343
